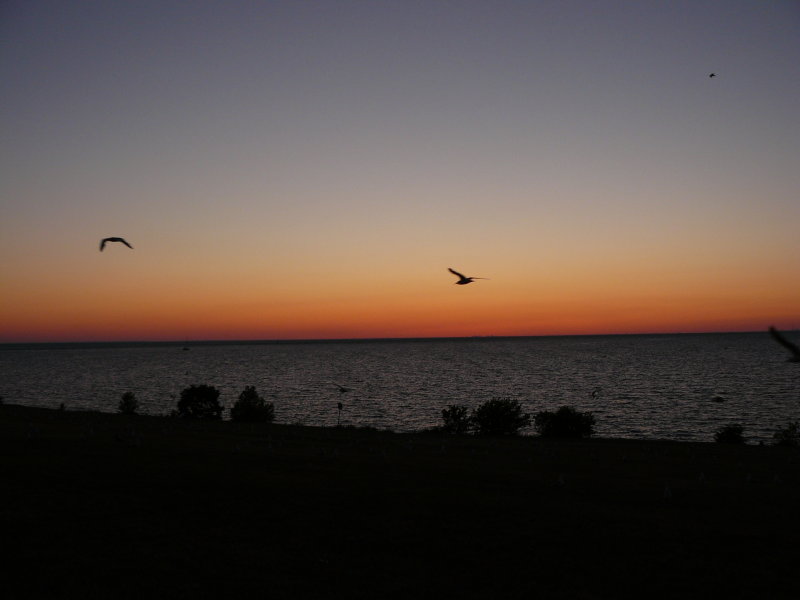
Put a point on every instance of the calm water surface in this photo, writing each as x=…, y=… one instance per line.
x=646, y=386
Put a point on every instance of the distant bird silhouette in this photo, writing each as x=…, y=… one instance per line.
x=113, y=239
x=791, y=347
x=712, y=75
x=342, y=389
x=463, y=280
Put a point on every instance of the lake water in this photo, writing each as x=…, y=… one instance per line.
x=645, y=386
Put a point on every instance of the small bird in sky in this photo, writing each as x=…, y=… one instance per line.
x=712, y=75
x=113, y=239
x=463, y=280
x=791, y=347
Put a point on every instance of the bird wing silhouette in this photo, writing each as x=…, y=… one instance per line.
x=793, y=348
x=454, y=272
x=113, y=239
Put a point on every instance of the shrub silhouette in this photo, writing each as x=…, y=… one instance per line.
x=129, y=404
x=456, y=419
x=252, y=407
x=730, y=434
x=788, y=436
x=200, y=402
x=566, y=422
x=499, y=416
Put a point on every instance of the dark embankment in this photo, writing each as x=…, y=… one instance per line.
x=109, y=506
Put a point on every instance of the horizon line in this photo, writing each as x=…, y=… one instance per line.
x=208, y=341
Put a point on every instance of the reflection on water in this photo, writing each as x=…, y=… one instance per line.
x=645, y=386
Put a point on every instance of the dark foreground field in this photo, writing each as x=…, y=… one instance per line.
x=108, y=506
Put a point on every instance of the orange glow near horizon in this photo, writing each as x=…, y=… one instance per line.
x=440, y=309
x=159, y=294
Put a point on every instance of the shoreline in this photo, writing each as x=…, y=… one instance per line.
x=526, y=433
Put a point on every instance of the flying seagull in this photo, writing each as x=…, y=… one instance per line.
x=712, y=75
x=791, y=347
x=113, y=239
x=463, y=280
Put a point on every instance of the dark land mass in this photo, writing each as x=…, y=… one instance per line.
x=112, y=506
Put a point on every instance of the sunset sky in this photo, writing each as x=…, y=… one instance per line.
x=294, y=169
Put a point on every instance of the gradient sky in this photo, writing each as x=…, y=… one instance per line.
x=295, y=169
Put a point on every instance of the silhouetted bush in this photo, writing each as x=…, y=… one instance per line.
x=566, y=422
x=730, y=434
x=129, y=404
x=788, y=436
x=499, y=416
x=252, y=407
x=200, y=402
x=456, y=419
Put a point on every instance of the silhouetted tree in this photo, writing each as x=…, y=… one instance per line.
x=252, y=407
x=200, y=402
x=730, y=434
x=456, y=419
x=129, y=404
x=499, y=416
x=566, y=422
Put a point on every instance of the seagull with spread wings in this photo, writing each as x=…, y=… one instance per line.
x=104, y=241
x=462, y=279
x=790, y=346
